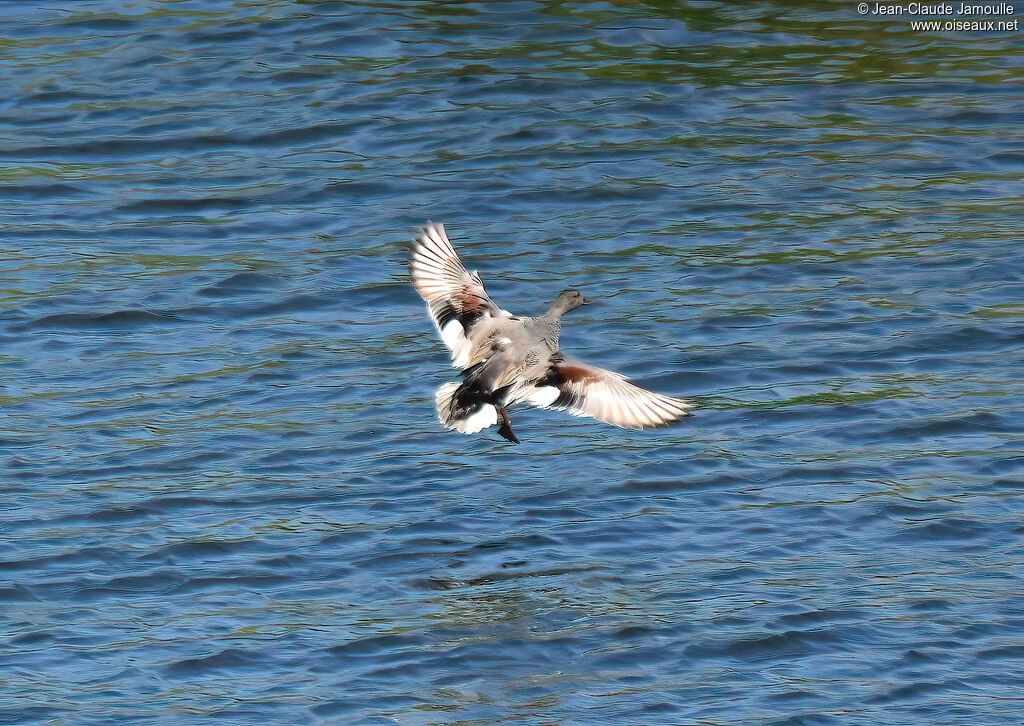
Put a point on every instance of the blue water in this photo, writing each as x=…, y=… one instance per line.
x=224, y=497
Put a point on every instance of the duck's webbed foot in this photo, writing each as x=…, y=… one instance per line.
x=506, y=425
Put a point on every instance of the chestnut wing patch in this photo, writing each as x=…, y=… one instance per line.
x=464, y=305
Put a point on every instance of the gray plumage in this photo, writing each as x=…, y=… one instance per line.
x=507, y=359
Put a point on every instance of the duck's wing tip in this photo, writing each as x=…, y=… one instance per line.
x=456, y=299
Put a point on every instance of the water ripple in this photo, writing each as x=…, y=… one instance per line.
x=226, y=496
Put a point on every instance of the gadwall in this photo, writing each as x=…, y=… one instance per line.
x=507, y=359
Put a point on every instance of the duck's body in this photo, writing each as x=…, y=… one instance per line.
x=507, y=359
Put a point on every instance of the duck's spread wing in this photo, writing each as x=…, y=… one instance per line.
x=456, y=299
x=586, y=390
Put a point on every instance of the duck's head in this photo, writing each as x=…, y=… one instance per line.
x=567, y=300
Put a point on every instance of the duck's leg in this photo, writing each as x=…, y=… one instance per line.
x=506, y=425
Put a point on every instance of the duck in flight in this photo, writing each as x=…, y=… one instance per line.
x=506, y=359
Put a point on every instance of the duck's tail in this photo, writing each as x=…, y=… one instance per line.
x=456, y=412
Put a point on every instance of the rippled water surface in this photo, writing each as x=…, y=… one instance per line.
x=226, y=499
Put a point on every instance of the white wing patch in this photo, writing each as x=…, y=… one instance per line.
x=454, y=336
x=543, y=396
x=451, y=333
